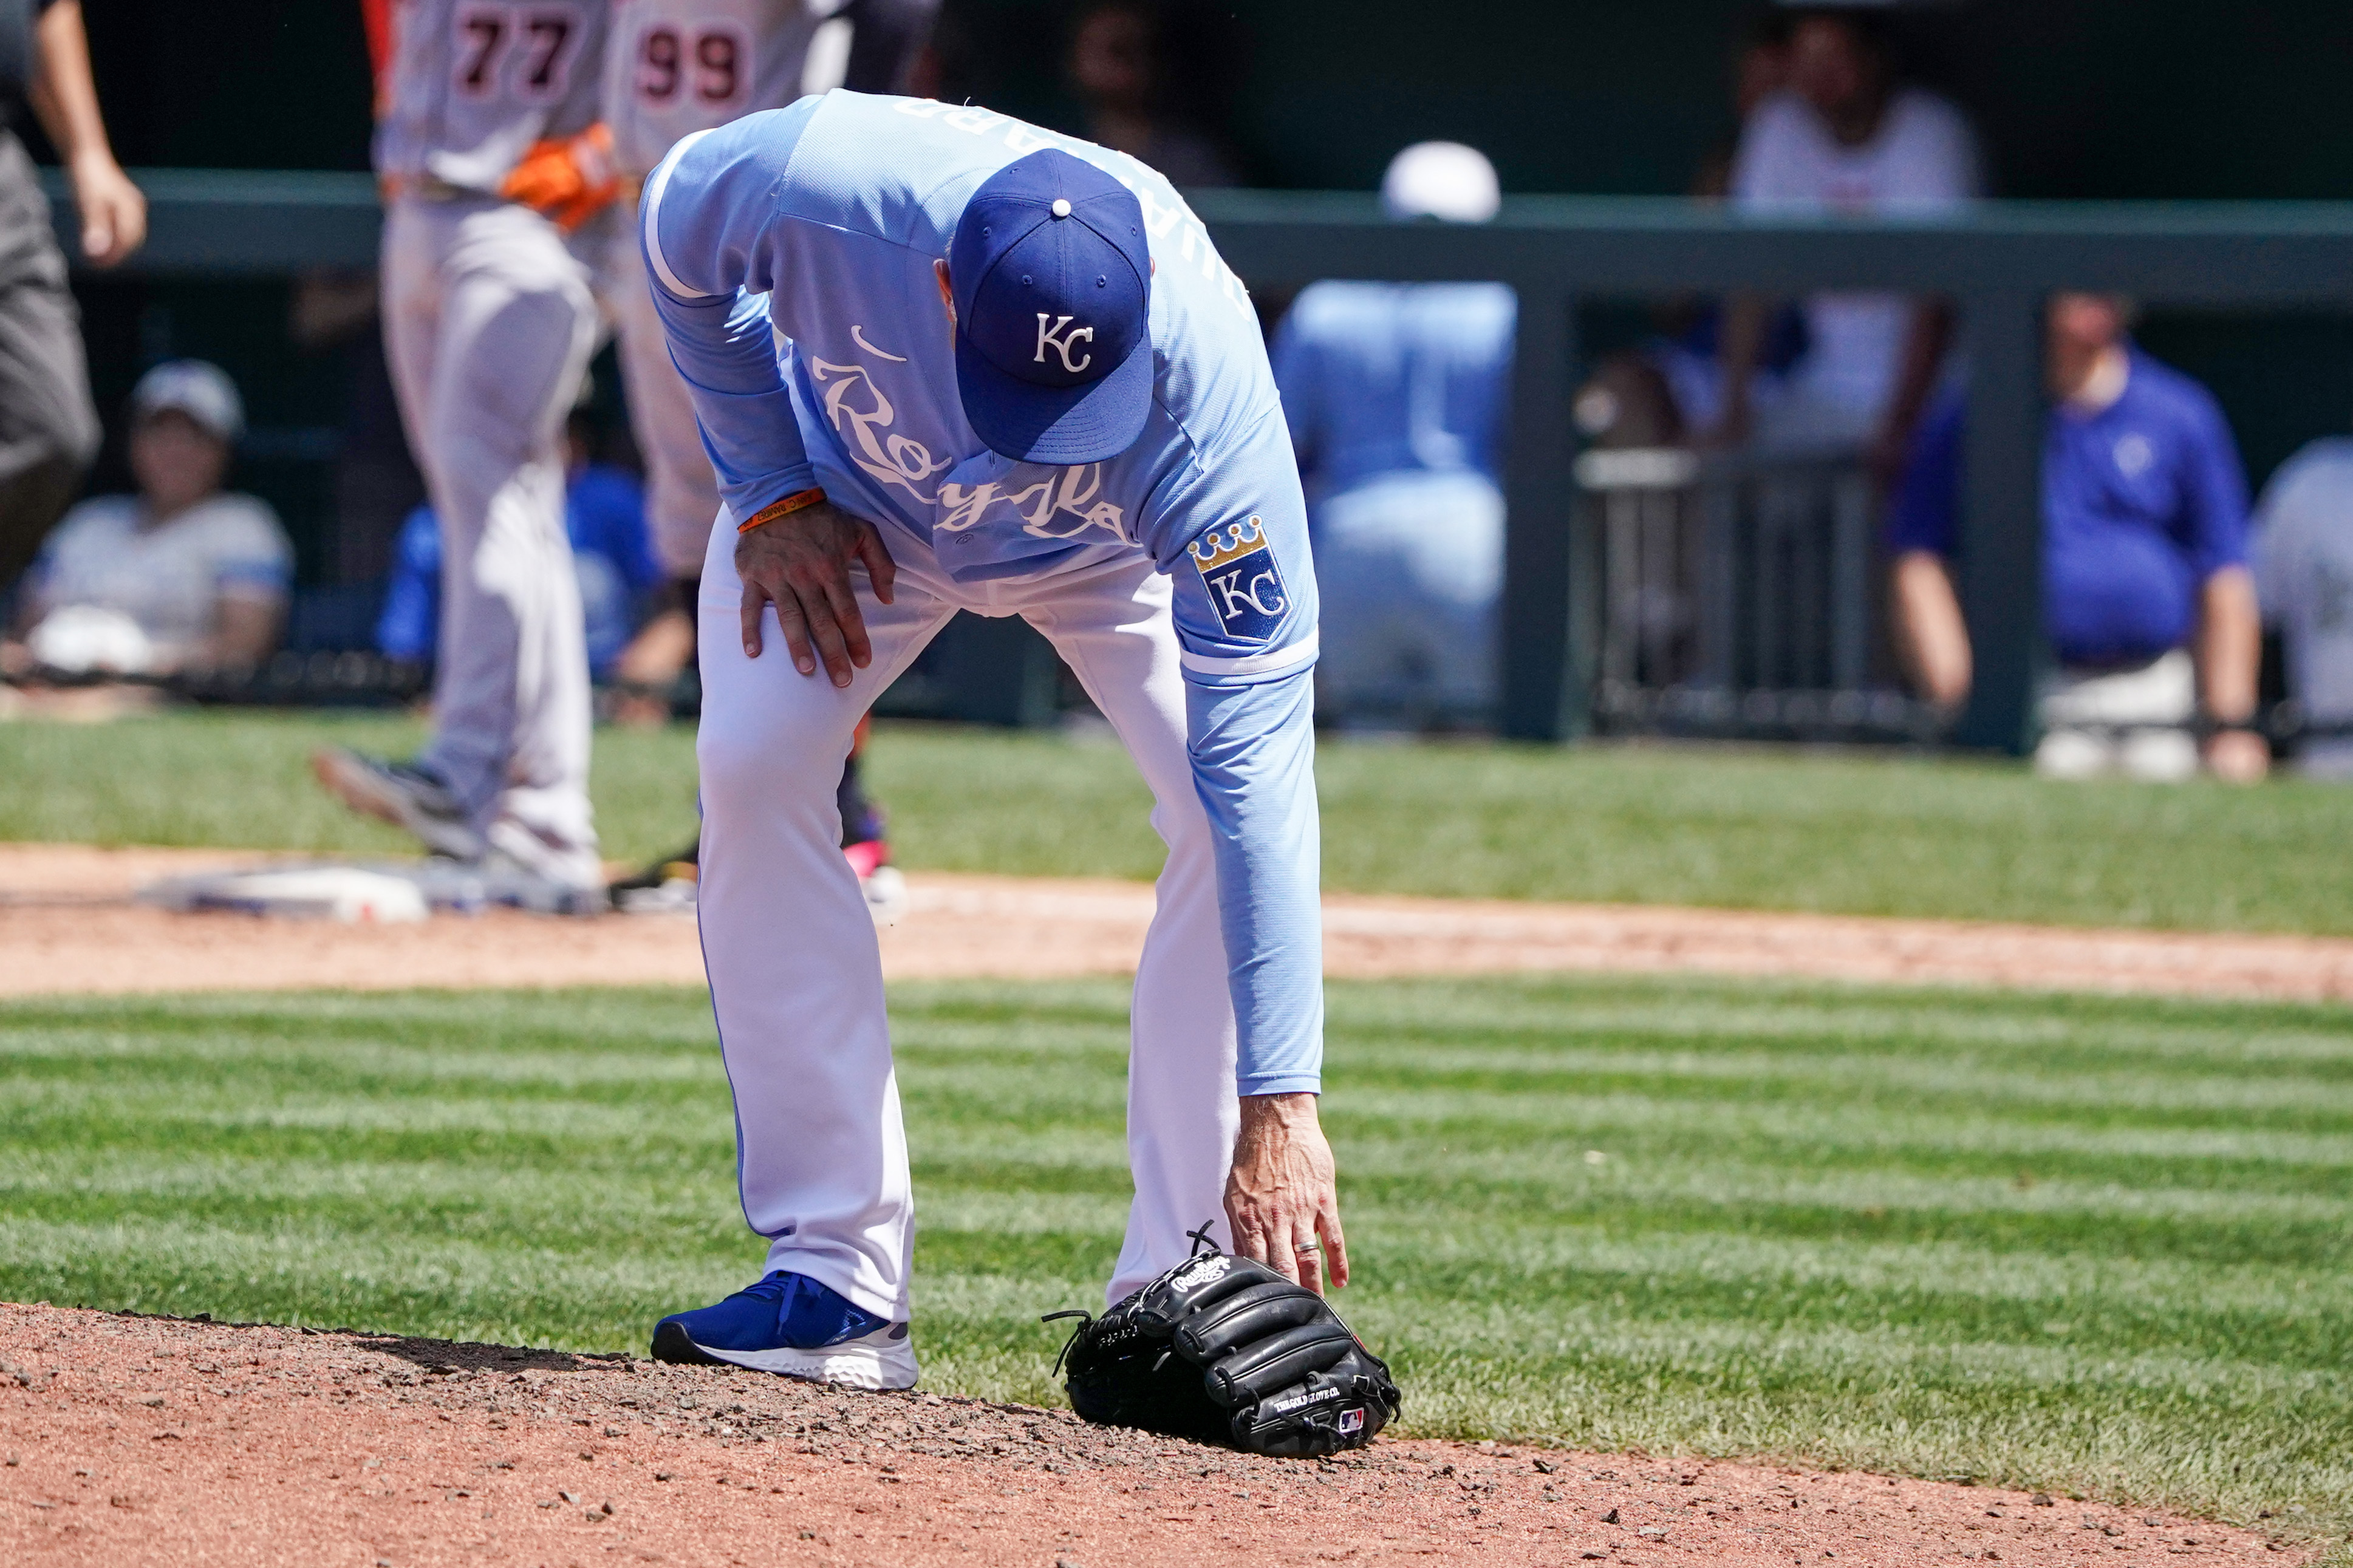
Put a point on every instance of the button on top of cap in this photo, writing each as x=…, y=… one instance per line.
x=1061, y=207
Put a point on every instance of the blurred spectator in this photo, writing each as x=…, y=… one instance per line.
x=1671, y=388
x=48, y=429
x=1760, y=70
x=2147, y=597
x=1116, y=64
x=1846, y=136
x=181, y=576
x=1396, y=393
x=2303, y=575
x=604, y=513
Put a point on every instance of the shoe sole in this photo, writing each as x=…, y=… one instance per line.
x=357, y=787
x=886, y=895
x=858, y=1364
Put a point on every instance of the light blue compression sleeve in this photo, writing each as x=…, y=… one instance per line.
x=1246, y=612
x=1253, y=750
x=705, y=222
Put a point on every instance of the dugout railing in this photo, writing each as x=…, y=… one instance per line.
x=1998, y=262
x=1732, y=595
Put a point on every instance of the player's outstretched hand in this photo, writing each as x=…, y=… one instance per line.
x=800, y=564
x=1282, y=1201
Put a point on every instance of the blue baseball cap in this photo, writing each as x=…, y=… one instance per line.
x=1053, y=300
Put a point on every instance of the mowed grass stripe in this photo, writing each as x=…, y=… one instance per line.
x=2072, y=1242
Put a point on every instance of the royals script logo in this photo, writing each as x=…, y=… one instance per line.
x=1059, y=503
x=1246, y=592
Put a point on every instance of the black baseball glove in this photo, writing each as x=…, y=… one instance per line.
x=1224, y=1349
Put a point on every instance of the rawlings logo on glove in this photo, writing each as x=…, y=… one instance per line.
x=569, y=179
x=1224, y=1349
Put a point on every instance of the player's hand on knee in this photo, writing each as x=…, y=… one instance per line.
x=1282, y=1199
x=800, y=564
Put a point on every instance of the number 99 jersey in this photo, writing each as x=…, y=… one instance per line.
x=676, y=67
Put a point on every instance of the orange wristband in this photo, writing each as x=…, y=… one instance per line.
x=785, y=507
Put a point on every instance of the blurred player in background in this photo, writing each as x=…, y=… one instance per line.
x=49, y=427
x=1395, y=395
x=677, y=67
x=2303, y=575
x=492, y=160
x=2146, y=598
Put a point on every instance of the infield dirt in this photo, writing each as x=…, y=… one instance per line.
x=151, y=1440
x=68, y=925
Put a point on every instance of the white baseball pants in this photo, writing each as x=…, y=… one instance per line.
x=488, y=324
x=2087, y=716
x=796, y=971
x=681, y=493
x=1410, y=569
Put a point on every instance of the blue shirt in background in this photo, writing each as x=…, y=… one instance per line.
x=1386, y=378
x=604, y=516
x=2141, y=504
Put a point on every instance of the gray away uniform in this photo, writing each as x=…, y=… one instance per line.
x=488, y=324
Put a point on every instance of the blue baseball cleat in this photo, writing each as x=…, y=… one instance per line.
x=789, y=1324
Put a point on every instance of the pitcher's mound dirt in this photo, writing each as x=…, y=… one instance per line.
x=150, y=1440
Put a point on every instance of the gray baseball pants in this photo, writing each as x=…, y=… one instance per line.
x=488, y=324
x=49, y=427
x=681, y=492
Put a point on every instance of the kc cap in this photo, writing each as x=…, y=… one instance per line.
x=1053, y=300
x=196, y=388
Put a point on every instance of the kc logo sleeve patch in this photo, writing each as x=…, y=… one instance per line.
x=1246, y=592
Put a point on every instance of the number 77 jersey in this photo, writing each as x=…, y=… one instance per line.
x=676, y=67
x=473, y=83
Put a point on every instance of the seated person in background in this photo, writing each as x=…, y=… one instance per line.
x=1395, y=395
x=181, y=575
x=1669, y=391
x=2303, y=575
x=604, y=516
x=2147, y=597
x=1117, y=66
x=1845, y=136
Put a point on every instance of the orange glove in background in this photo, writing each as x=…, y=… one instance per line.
x=570, y=179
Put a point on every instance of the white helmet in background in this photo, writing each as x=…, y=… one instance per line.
x=1444, y=180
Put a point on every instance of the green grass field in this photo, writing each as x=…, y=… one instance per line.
x=1844, y=832
x=2097, y=1246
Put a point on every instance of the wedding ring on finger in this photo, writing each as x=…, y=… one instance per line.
x=1308, y=1246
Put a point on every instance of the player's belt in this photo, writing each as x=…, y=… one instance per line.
x=426, y=188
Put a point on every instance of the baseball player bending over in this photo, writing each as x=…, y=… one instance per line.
x=943, y=360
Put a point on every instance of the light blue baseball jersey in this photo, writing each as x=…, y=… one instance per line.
x=1389, y=378
x=792, y=257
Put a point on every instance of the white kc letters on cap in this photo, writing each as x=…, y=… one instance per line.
x=1061, y=345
